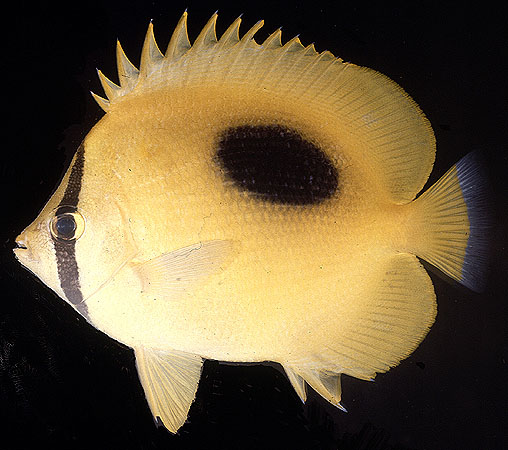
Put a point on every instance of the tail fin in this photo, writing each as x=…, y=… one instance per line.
x=452, y=220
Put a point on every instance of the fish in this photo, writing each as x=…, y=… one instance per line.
x=248, y=202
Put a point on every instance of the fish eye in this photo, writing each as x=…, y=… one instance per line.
x=67, y=226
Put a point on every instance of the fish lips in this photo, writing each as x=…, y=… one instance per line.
x=22, y=251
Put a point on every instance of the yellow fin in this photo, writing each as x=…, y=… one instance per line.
x=179, y=43
x=179, y=271
x=170, y=380
x=127, y=72
x=151, y=56
x=231, y=36
x=207, y=37
x=451, y=221
x=274, y=41
x=297, y=382
x=383, y=326
x=248, y=38
x=110, y=89
x=101, y=101
x=326, y=384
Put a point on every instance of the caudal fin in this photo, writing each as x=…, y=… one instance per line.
x=452, y=223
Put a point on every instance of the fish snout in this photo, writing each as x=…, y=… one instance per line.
x=22, y=249
x=21, y=241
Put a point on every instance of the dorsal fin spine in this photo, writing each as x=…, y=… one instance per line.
x=247, y=41
x=127, y=72
x=248, y=38
x=208, y=36
x=274, y=41
x=102, y=102
x=232, y=35
x=310, y=50
x=179, y=43
x=111, y=90
x=152, y=59
x=150, y=54
x=293, y=45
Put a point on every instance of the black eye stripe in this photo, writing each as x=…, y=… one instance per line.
x=65, y=209
x=71, y=195
x=67, y=266
x=68, y=271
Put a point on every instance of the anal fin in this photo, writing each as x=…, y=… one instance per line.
x=326, y=384
x=170, y=380
x=297, y=382
x=388, y=321
x=385, y=323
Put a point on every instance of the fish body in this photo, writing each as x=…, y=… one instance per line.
x=265, y=288
x=246, y=202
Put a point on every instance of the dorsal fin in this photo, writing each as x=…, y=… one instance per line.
x=207, y=37
x=179, y=43
x=151, y=56
x=366, y=113
x=273, y=41
x=110, y=89
x=293, y=45
x=248, y=38
x=232, y=35
x=127, y=72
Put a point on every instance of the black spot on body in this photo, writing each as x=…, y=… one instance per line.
x=277, y=164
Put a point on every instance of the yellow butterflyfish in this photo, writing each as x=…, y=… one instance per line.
x=256, y=202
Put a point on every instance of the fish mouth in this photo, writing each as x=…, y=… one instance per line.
x=21, y=250
x=20, y=245
x=20, y=253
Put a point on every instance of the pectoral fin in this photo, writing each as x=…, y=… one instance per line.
x=180, y=270
x=170, y=380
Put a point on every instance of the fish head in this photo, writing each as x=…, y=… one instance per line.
x=80, y=239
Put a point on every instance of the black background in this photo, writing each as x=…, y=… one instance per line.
x=65, y=385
